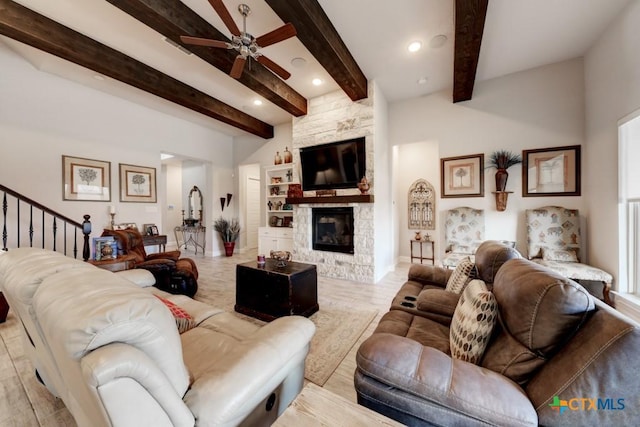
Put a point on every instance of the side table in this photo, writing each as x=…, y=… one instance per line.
x=420, y=253
x=195, y=235
x=125, y=262
x=151, y=240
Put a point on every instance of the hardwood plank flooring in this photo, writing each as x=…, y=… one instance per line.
x=24, y=402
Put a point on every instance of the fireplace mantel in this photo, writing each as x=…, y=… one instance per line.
x=355, y=198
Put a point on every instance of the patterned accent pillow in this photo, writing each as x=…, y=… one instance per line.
x=184, y=321
x=472, y=323
x=460, y=276
x=562, y=255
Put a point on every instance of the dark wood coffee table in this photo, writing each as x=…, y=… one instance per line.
x=270, y=292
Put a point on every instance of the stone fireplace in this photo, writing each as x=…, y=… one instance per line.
x=341, y=248
x=332, y=229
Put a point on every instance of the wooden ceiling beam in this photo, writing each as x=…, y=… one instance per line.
x=469, y=26
x=26, y=26
x=173, y=19
x=319, y=36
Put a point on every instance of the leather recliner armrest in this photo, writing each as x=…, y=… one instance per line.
x=107, y=367
x=172, y=255
x=461, y=388
x=438, y=301
x=249, y=372
x=429, y=275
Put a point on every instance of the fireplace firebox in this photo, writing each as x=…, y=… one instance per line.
x=333, y=229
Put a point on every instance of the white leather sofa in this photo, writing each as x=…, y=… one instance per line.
x=110, y=349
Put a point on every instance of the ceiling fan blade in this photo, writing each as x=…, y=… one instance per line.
x=204, y=42
x=284, y=74
x=277, y=35
x=238, y=66
x=224, y=14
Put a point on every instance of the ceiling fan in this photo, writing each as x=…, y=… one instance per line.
x=245, y=44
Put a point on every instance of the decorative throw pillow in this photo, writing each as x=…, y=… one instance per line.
x=184, y=321
x=472, y=323
x=460, y=276
x=562, y=255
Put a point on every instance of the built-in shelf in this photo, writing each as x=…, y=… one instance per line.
x=356, y=198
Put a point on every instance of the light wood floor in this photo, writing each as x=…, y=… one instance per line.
x=24, y=402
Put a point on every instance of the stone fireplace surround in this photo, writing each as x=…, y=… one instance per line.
x=334, y=117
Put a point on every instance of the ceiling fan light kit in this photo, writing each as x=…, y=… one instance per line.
x=247, y=46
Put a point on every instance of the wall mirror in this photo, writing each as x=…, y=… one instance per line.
x=195, y=206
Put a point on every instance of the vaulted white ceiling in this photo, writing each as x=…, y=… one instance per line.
x=518, y=35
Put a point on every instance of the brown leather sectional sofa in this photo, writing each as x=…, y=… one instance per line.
x=557, y=355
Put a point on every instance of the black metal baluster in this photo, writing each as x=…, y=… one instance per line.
x=30, y=227
x=4, y=222
x=55, y=230
x=43, y=230
x=75, y=242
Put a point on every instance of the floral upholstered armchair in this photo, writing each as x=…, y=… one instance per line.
x=553, y=240
x=464, y=232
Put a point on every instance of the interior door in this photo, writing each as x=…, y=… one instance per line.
x=253, y=211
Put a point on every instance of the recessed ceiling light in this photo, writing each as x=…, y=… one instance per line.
x=422, y=80
x=316, y=82
x=257, y=102
x=414, y=46
x=298, y=62
x=165, y=156
x=438, y=41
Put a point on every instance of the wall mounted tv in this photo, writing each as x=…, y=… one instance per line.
x=337, y=165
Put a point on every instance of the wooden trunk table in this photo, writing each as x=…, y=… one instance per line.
x=270, y=291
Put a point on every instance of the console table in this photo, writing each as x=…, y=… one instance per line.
x=191, y=235
x=160, y=240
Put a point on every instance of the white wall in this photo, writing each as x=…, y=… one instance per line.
x=43, y=116
x=612, y=82
x=542, y=107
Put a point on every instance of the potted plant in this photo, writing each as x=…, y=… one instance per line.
x=229, y=230
x=503, y=160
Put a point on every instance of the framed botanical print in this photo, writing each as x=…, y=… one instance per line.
x=462, y=176
x=86, y=179
x=551, y=172
x=137, y=184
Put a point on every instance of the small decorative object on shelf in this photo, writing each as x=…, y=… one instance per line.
x=289, y=175
x=261, y=260
x=325, y=193
x=418, y=236
x=288, y=157
x=294, y=190
x=270, y=205
x=277, y=160
x=364, y=186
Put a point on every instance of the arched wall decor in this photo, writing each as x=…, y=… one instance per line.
x=422, y=206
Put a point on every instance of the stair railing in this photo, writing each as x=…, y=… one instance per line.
x=49, y=222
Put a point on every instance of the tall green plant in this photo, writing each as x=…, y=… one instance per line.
x=229, y=230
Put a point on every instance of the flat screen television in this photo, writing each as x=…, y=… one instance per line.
x=340, y=164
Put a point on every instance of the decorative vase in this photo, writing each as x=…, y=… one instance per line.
x=364, y=186
x=418, y=236
x=277, y=160
x=228, y=248
x=288, y=157
x=501, y=179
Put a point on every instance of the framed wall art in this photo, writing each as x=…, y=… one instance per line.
x=86, y=179
x=551, y=172
x=462, y=176
x=137, y=184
